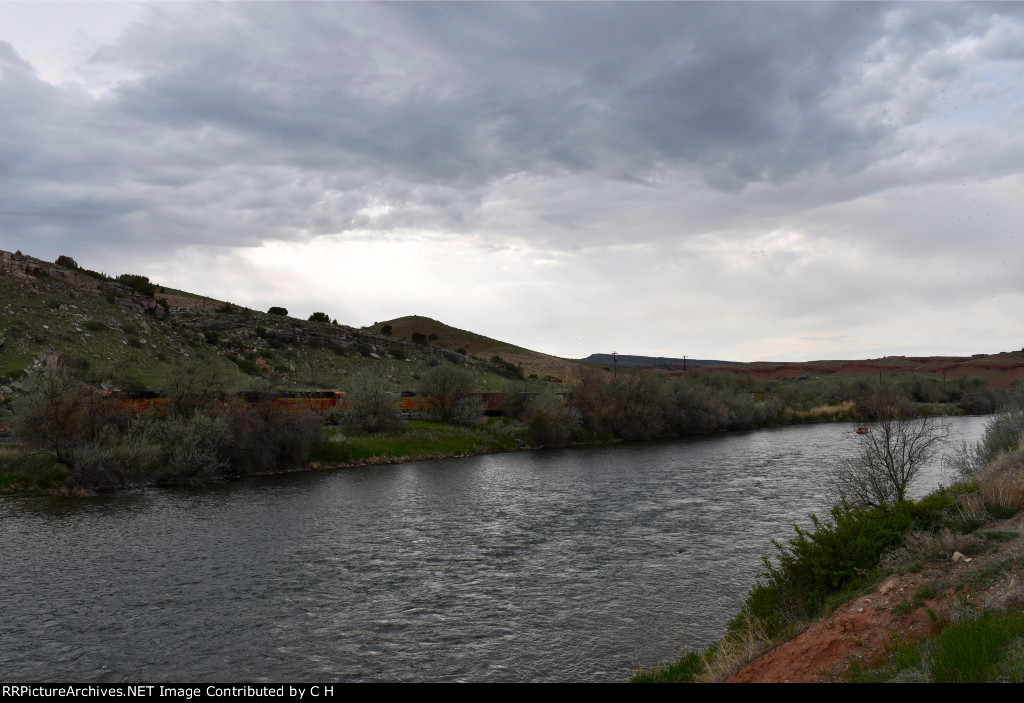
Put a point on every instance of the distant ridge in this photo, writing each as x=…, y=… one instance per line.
x=629, y=360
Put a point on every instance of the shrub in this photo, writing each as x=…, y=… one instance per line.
x=822, y=561
x=320, y=317
x=1003, y=433
x=194, y=446
x=263, y=439
x=247, y=366
x=419, y=338
x=551, y=421
x=449, y=388
x=139, y=284
x=369, y=408
x=386, y=330
x=67, y=262
x=278, y=311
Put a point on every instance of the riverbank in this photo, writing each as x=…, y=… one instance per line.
x=24, y=471
x=927, y=590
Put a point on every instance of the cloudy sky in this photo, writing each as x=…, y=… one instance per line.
x=722, y=180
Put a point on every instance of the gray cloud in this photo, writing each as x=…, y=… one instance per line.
x=886, y=129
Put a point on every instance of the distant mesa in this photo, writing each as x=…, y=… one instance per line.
x=627, y=360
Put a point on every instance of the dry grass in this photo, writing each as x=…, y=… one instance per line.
x=735, y=651
x=1001, y=483
x=836, y=411
x=932, y=546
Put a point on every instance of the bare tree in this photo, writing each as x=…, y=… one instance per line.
x=451, y=392
x=896, y=448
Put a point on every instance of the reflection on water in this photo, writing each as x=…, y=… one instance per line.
x=574, y=564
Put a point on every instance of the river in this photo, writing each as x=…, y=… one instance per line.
x=566, y=565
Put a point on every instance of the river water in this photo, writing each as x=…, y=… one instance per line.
x=568, y=565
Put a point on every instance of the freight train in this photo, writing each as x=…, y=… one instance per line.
x=305, y=401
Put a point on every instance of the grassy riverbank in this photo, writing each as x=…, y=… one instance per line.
x=927, y=590
x=420, y=439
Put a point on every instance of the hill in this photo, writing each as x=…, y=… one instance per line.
x=131, y=334
x=136, y=338
x=439, y=334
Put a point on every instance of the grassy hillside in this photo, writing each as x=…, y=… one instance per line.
x=116, y=336
x=481, y=347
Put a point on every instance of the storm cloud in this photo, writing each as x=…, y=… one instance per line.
x=728, y=180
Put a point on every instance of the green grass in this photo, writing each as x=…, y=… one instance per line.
x=972, y=651
x=686, y=670
x=987, y=648
x=21, y=469
x=420, y=439
x=987, y=575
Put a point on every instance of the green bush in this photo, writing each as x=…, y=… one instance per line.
x=320, y=317
x=833, y=556
x=139, y=284
x=278, y=311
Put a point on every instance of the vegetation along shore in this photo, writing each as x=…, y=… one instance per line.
x=80, y=351
x=886, y=589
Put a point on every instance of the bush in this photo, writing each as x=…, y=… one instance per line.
x=449, y=388
x=320, y=317
x=278, y=311
x=369, y=408
x=551, y=421
x=139, y=284
x=835, y=555
x=67, y=262
x=1004, y=433
x=194, y=446
x=263, y=439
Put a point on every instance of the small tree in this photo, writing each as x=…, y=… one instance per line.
x=451, y=391
x=896, y=448
x=320, y=317
x=369, y=407
x=278, y=311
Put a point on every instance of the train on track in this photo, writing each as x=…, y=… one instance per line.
x=407, y=402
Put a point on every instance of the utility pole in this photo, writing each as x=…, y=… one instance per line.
x=615, y=365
